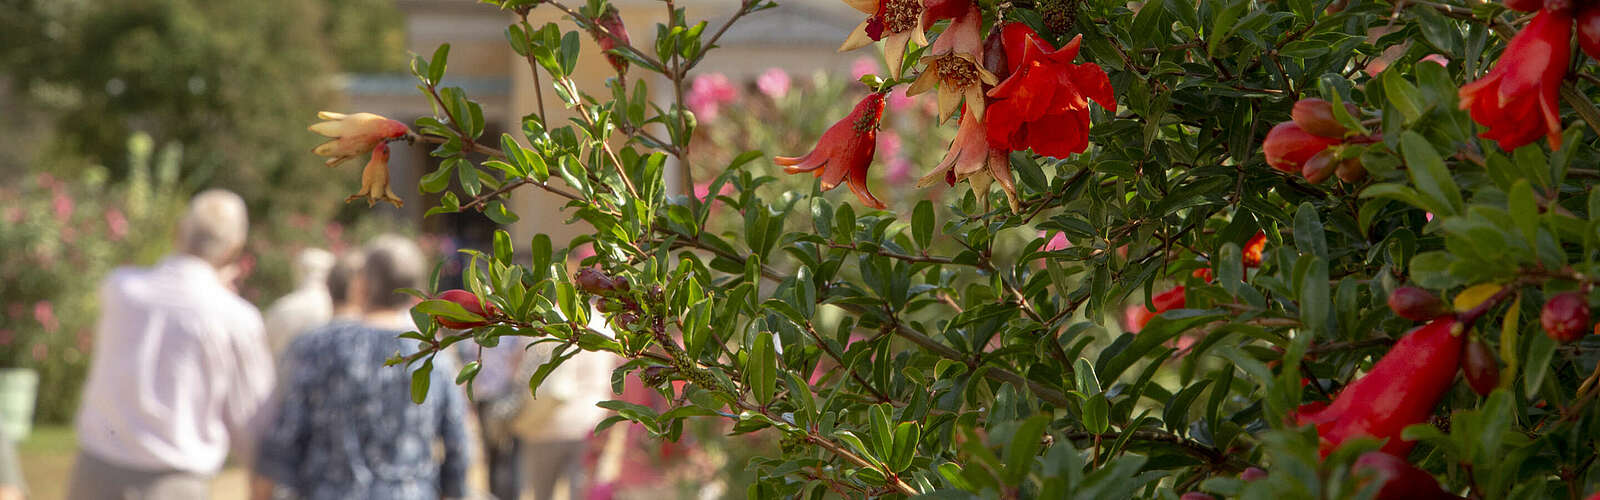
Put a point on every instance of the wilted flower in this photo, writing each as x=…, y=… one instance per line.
x=972, y=157
x=708, y=94
x=846, y=148
x=774, y=82
x=954, y=64
x=896, y=22
x=354, y=135
x=375, y=179
x=1044, y=103
x=612, y=22
x=1517, y=99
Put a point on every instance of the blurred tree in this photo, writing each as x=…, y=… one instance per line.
x=231, y=80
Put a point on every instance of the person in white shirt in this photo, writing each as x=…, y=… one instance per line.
x=180, y=371
x=308, y=306
x=555, y=427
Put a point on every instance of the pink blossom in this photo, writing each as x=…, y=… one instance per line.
x=582, y=252
x=708, y=94
x=14, y=214
x=889, y=144
x=863, y=66
x=62, y=204
x=47, y=180
x=1428, y=215
x=1057, y=243
x=774, y=82
x=116, y=224
x=703, y=190
x=899, y=101
x=899, y=170
x=1437, y=59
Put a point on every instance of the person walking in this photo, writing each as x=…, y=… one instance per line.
x=180, y=370
x=308, y=306
x=346, y=427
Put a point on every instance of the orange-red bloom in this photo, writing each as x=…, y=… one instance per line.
x=1253, y=249
x=896, y=22
x=846, y=148
x=1139, y=316
x=1517, y=99
x=1044, y=103
x=973, y=159
x=1288, y=146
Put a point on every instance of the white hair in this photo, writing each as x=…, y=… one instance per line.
x=311, y=267
x=391, y=262
x=215, y=226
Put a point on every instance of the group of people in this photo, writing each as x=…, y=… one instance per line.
x=185, y=374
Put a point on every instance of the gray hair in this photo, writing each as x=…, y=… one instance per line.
x=215, y=226
x=311, y=267
x=392, y=262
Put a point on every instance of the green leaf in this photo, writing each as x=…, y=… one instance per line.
x=502, y=247
x=446, y=309
x=1430, y=175
x=763, y=368
x=420, y=380
x=906, y=437
x=569, y=52
x=437, y=64
x=1096, y=414
x=1403, y=95
x=922, y=223
x=1541, y=350
x=1024, y=446
x=467, y=372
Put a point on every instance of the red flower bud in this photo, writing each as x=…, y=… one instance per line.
x=1351, y=170
x=1204, y=274
x=1589, y=30
x=469, y=302
x=1479, y=367
x=1400, y=390
x=1315, y=116
x=1565, y=317
x=1400, y=480
x=1253, y=474
x=1416, y=304
x=1288, y=146
x=1320, y=167
x=594, y=281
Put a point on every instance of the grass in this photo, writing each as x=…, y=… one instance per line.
x=47, y=455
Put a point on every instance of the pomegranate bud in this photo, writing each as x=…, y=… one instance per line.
x=1565, y=317
x=994, y=54
x=469, y=302
x=1351, y=170
x=1253, y=474
x=1320, y=167
x=594, y=281
x=1288, y=146
x=1480, y=368
x=1400, y=480
x=1589, y=30
x=1315, y=116
x=1416, y=304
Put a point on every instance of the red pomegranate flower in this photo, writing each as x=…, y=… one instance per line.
x=955, y=63
x=896, y=22
x=354, y=134
x=973, y=159
x=1517, y=99
x=846, y=148
x=1044, y=103
x=1253, y=249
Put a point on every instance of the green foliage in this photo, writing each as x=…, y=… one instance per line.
x=941, y=348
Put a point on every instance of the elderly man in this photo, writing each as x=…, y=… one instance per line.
x=180, y=370
x=309, y=306
x=347, y=428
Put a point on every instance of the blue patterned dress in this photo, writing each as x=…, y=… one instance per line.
x=347, y=428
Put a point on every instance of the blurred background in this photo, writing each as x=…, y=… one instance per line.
x=116, y=113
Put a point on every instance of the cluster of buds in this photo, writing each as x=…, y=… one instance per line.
x=1310, y=143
